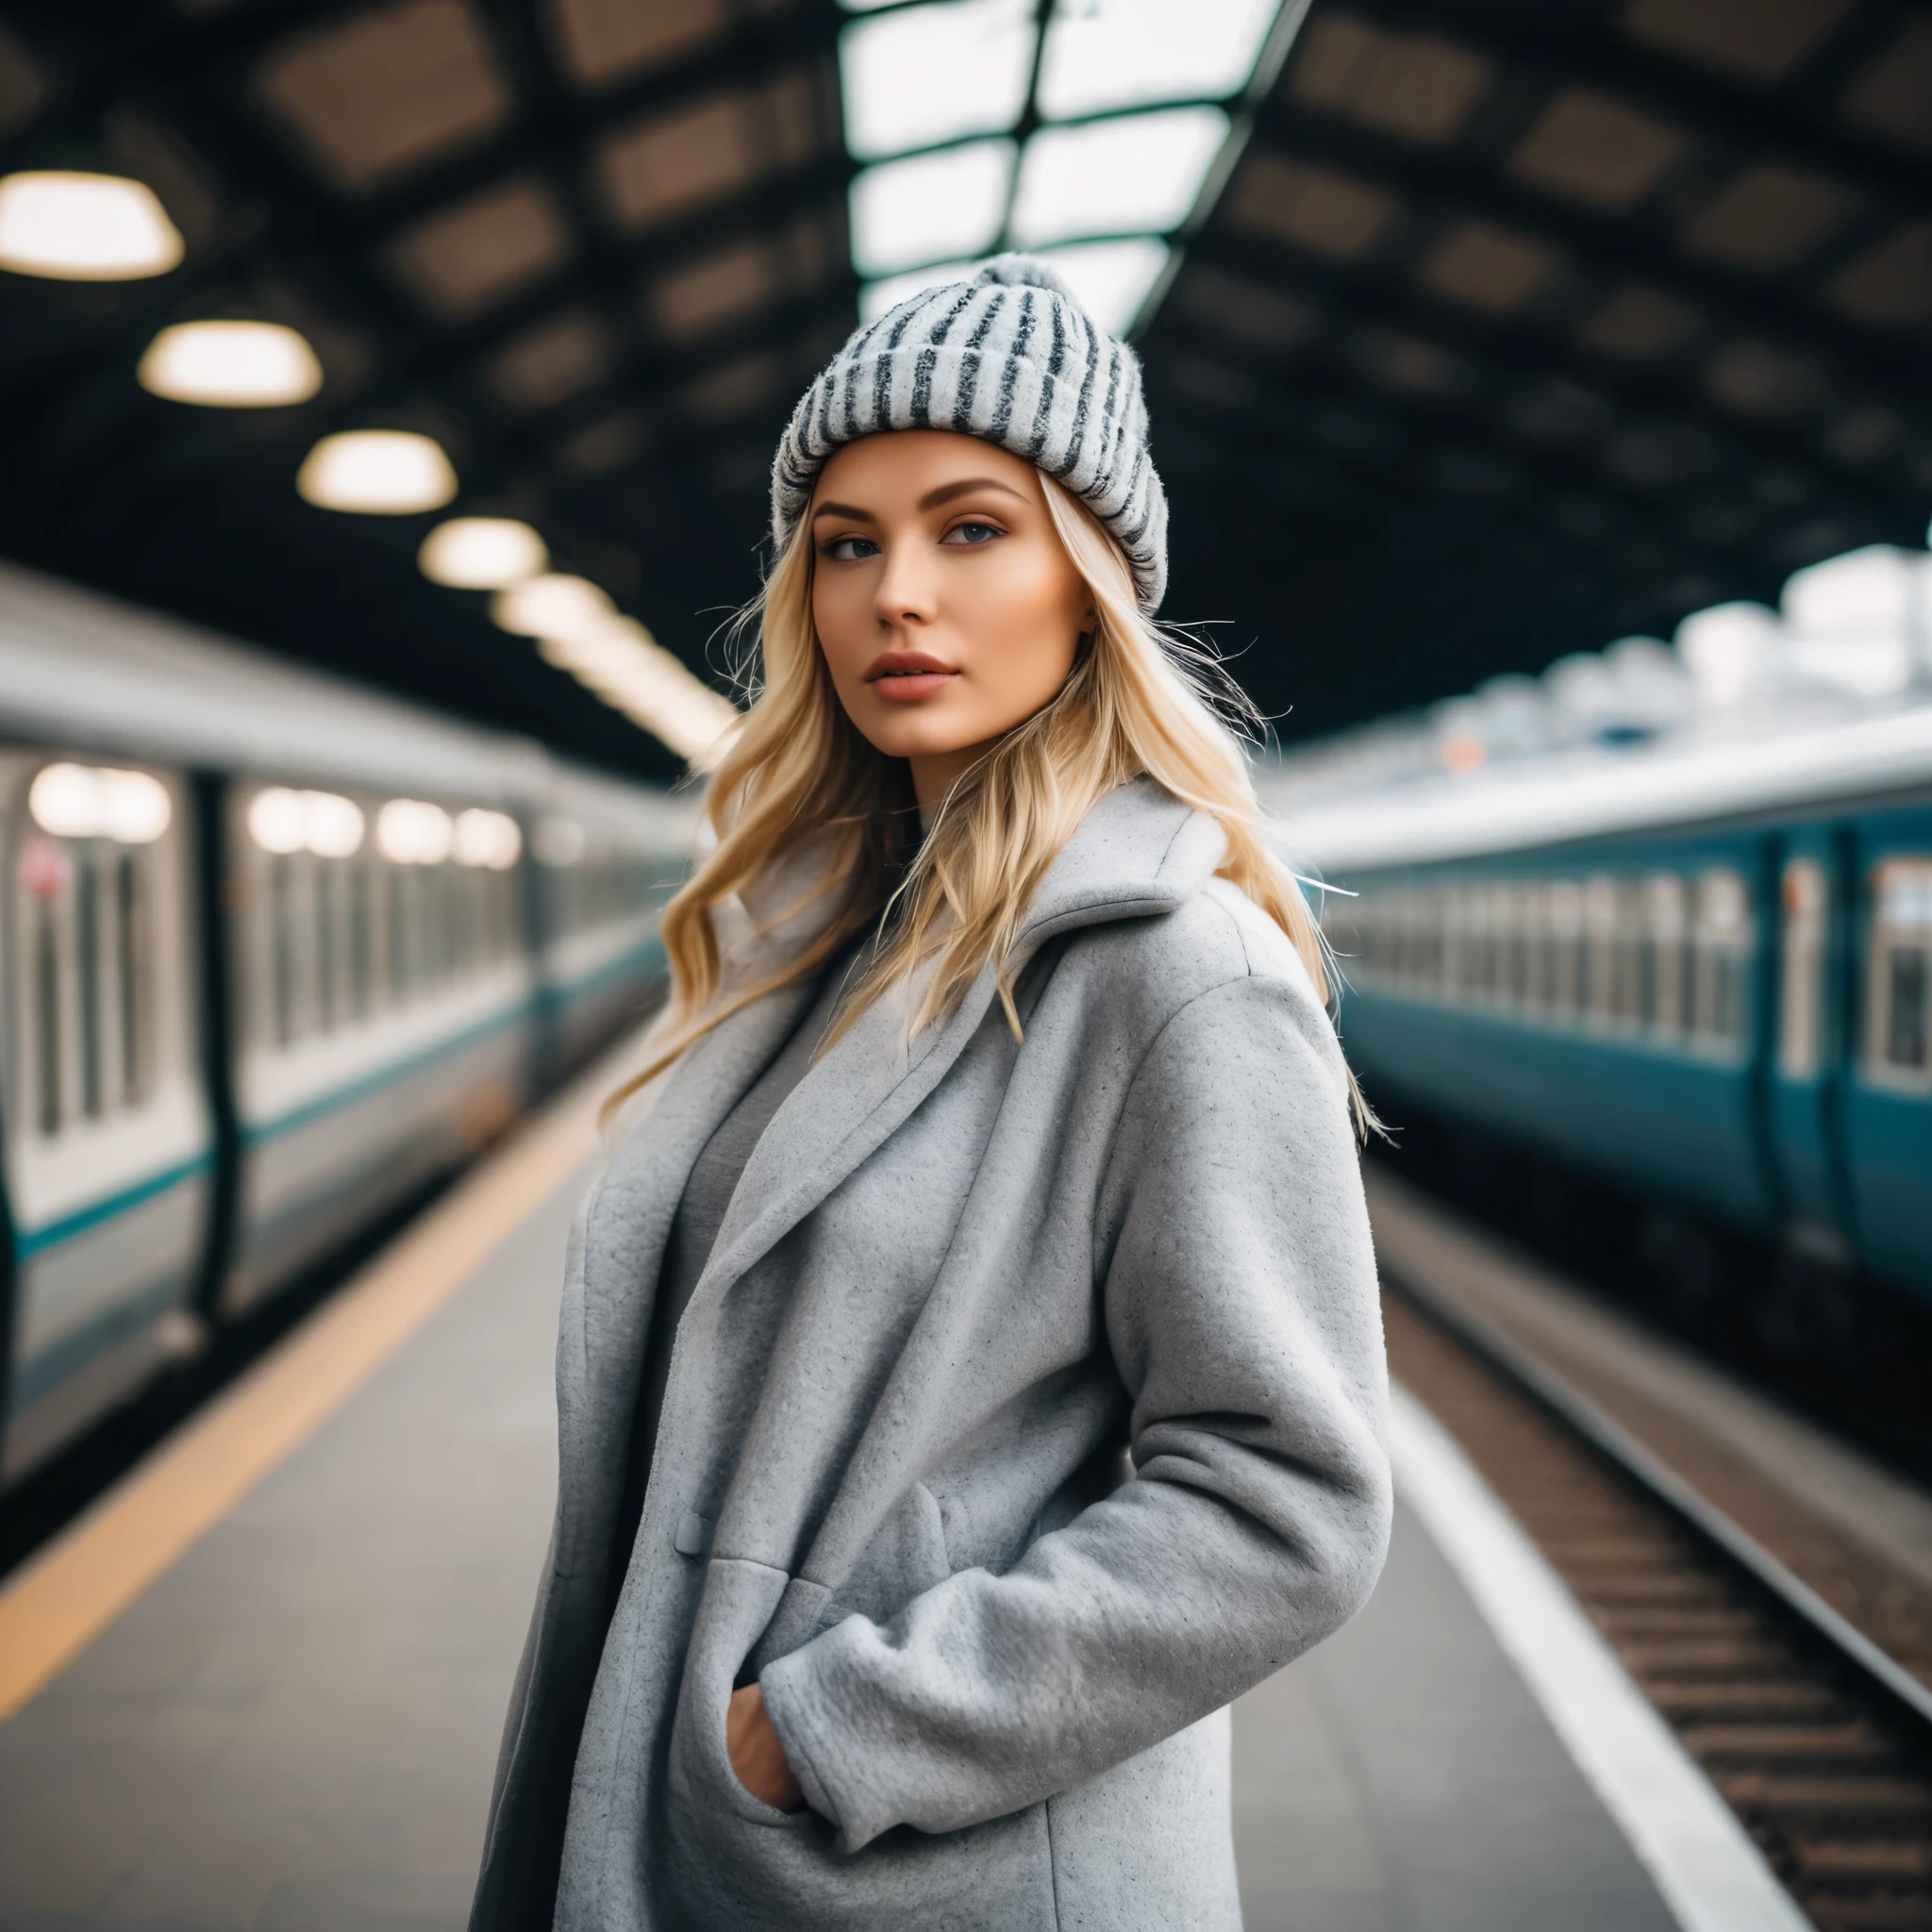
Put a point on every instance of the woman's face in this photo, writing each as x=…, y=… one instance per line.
x=946, y=607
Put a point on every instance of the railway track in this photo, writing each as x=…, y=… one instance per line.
x=1819, y=1741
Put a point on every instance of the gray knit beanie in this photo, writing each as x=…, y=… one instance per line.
x=1008, y=357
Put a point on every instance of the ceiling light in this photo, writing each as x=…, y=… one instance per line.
x=1120, y=176
x=921, y=75
x=490, y=839
x=632, y=672
x=482, y=553
x=323, y=823
x=1111, y=279
x=230, y=365
x=1106, y=54
x=551, y=606
x=411, y=831
x=379, y=472
x=1729, y=650
x=875, y=298
x=84, y=227
x=91, y=802
x=934, y=205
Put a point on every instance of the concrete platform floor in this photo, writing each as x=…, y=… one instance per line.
x=294, y=1728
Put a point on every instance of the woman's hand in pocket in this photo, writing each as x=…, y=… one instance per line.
x=756, y=1755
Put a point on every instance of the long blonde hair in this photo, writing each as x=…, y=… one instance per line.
x=1138, y=700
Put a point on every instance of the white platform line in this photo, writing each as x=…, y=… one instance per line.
x=1711, y=1875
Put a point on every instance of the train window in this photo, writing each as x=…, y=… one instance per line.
x=86, y=949
x=326, y=993
x=86, y=959
x=46, y=870
x=1563, y=958
x=1801, y=970
x=135, y=951
x=1901, y=997
x=361, y=942
x=281, y=920
x=1663, y=965
x=1510, y=907
x=1720, y=945
x=1462, y=922
x=1600, y=948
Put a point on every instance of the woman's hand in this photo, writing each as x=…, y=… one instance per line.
x=756, y=1755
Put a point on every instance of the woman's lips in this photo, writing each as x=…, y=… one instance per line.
x=903, y=675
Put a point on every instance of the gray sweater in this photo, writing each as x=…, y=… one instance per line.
x=1029, y=1409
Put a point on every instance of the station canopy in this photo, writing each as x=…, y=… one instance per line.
x=1476, y=333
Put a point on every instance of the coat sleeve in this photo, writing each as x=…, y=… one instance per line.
x=1241, y=1306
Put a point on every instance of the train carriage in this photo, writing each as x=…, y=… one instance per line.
x=1701, y=973
x=278, y=952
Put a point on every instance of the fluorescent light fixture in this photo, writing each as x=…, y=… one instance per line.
x=1728, y=650
x=376, y=471
x=490, y=839
x=1861, y=620
x=551, y=606
x=77, y=227
x=323, y=823
x=633, y=673
x=875, y=298
x=95, y=802
x=921, y=75
x=230, y=365
x=930, y=208
x=1878, y=588
x=411, y=831
x=1102, y=55
x=1141, y=171
x=482, y=553
x=1111, y=278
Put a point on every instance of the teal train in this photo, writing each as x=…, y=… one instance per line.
x=278, y=953
x=1696, y=974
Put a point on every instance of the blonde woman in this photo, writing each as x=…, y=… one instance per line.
x=971, y=1375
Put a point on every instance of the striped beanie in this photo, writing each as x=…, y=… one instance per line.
x=1008, y=357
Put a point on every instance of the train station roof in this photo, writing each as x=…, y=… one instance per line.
x=1476, y=332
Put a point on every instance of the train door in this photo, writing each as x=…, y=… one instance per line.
x=382, y=996
x=109, y=1148
x=1888, y=1115
x=1808, y=1040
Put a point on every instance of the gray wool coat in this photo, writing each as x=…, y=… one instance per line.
x=1028, y=1410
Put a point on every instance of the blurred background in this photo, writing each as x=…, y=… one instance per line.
x=387, y=391
x=1478, y=334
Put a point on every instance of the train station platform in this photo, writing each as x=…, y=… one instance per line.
x=259, y=1685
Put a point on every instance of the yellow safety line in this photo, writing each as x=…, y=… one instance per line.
x=70, y=1592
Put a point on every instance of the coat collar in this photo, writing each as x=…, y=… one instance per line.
x=1139, y=853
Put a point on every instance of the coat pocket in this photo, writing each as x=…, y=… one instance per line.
x=804, y=1610
x=740, y=1598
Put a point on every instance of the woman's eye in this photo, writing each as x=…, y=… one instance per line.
x=973, y=533
x=850, y=549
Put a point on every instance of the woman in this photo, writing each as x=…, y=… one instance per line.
x=971, y=1374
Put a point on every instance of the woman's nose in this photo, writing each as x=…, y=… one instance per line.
x=907, y=593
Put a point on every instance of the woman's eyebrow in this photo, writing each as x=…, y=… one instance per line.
x=843, y=509
x=946, y=492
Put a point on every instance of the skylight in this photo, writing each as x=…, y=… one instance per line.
x=927, y=75
x=1111, y=278
x=1104, y=55
x=1135, y=174
x=950, y=203
x=1131, y=112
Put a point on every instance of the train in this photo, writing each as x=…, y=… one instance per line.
x=1695, y=975
x=280, y=951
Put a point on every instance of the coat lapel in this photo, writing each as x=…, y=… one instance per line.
x=1138, y=854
